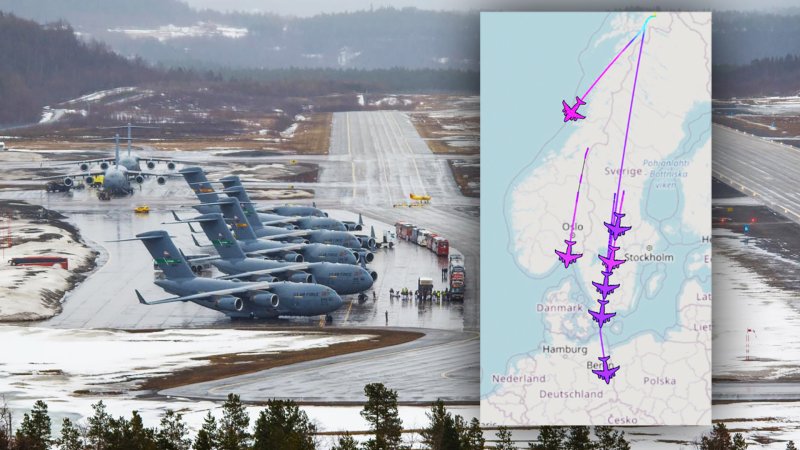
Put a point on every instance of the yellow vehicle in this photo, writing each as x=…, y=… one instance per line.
x=141, y=209
x=422, y=198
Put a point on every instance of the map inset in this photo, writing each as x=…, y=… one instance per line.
x=596, y=254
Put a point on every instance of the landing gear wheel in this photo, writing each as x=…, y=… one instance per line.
x=391, y=245
x=362, y=297
x=328, y=319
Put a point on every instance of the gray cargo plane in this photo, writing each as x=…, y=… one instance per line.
x=245, y=233
x=199, y=183
x=232, y=186
x=234, y=298
x=116, y=179
x=130, y=160
x=343, y=278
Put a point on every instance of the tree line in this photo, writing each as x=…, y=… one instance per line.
x=282, y=425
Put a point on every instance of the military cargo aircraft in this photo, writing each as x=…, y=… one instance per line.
x=343, y=278
x=236, y=299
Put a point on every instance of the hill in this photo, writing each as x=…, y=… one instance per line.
x=46, y=64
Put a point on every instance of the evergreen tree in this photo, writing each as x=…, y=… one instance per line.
x=441, y=432
x=504, y=441
x=381, y=413
x=233, y=433
x=98, y=432
x=739, y=442
x=283, y=426
x=550, y=438
x=70, y=438
x=346, y=442
x=719, y=439
x=208, y=435
x=608, y=439
x=578, y=438
x=137, y=436
x=173, y=433
x=471, y=435
x=34, y=432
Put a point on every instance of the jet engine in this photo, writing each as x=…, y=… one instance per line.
x=302, y=277
x=366, y=242
x=151, y=165
x=171, y=165
x=89, y=180
x=266, y=300
x=104, y=165
x=139, y=179
x=293, y=257
x=84, y=167
x=229, y=303
x=374, y=275
x=368, y=256
x=161, y=180
x=68, y=182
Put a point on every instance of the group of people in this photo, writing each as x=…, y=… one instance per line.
x=406, y=294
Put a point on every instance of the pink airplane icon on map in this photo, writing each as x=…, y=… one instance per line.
x=571, y=112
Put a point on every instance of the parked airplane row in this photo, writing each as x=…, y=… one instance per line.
x=299, y=265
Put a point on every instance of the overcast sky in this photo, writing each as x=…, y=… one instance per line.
x=312, y=7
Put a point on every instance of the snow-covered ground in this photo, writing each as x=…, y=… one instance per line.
x=745, y=300
x=50, y=115
x=200, y=29
x=72, y=369
x=24, y=291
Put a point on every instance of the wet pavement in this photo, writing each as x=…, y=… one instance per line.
x=448, y=372
x=377, y=159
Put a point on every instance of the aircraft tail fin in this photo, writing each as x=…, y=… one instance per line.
x=197, y=180
x=232, y=210
x=220, y=236
x=360, y=220
x=116, y=150
x=230, y=181
x=239, y=193
x=372, y=232
x=165, y=254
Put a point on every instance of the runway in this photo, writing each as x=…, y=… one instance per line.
x=760, y=168
x=442, y=364
x=376, y=160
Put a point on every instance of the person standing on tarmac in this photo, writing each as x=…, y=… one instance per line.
x=387, y=317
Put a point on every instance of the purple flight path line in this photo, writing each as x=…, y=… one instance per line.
x=630, y=113
x=583, y=97
x=577, y=195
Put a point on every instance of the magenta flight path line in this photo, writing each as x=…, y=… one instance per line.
x=583, y=97
x=630, y=111
x=614, y=226
x=577, y=196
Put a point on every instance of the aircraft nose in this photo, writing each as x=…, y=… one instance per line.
x=366, y=279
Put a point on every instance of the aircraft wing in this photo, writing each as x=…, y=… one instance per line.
x=301, y=266
x=279, y=222
x=71, y=175
x=579, y=116
x=270, y=251
x=149, y=174
x=84, y=161
x=289, y=234
x=245, y=287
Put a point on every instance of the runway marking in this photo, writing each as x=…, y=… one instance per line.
x=347, y=315
x=411, y=152
x=350, y=153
